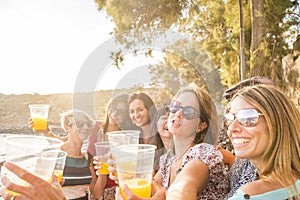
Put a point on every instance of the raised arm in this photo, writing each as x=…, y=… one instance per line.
x=191, y=181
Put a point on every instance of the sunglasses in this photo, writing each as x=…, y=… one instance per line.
x=80, y=124
x=189, y=112
x=245, y=117
x=120, y=112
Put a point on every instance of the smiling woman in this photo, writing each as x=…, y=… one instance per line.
x=264, y=128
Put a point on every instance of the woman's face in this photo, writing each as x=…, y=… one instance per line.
x=138, y=113
x=162, y=127
x=248, y=142
x=84, y=128
x=178, y=124
x=117, y=114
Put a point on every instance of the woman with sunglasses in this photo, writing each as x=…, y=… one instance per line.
x=79, y=126
x=263, y=126
x=241, y=171
x=116, y=119
x=190, y=162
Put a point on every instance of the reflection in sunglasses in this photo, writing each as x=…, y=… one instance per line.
x=189, y=112
x=245, y=117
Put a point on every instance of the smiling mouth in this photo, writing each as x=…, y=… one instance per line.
x=240, y=141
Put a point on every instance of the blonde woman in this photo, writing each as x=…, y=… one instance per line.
x=263, y=126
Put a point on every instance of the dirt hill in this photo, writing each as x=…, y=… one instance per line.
x=14, y=110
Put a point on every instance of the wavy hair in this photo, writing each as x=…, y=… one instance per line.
x=280, y=159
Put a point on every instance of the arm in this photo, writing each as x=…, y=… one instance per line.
x=98, y=182
x=228, y=157
x=192, y=180
x=38, y=188
x=47, y=133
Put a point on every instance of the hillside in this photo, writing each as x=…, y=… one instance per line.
x=14, y=111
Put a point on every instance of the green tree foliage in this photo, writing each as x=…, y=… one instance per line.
x=215, y=26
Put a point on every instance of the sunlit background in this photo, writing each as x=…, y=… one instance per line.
x=44, y=43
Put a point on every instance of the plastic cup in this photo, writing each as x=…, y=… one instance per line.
x=134, y=165
x=32, y=154
x=124, y=137
x=60, y=163
x=39, y=116
x=102, y=152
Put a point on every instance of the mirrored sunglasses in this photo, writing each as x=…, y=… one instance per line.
x=80, y=124
x=189, y=112
x=245, y=117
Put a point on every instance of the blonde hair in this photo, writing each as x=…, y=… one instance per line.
x=280, y=159
x=71, y=116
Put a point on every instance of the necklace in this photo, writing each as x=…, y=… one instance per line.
x=178, y=169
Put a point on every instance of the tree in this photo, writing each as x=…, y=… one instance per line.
x=215, y=26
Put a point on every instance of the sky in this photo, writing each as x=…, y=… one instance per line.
x=43, y=43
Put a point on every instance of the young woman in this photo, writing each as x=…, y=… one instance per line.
x=263, y=126
x=141, y=112
x=116, y=119
x=191, y=169
x=159, y=126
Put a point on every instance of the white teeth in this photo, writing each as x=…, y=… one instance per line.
x=176, y=122
x=240, y=141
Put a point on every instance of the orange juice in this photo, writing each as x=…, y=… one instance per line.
x=104, y=169
x=19, y=182
x=39, y=124
x=140, y=187
x=12, y=193
x=59, y=174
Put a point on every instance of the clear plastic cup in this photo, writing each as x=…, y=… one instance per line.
x=32, y=154
x=39, y=116
x=102, y=152
x=134, y=165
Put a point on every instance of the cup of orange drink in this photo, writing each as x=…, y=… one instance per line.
x=102, y=152
x=39, y=116
x=32, y=154
x=134, y=165
x=124, y=137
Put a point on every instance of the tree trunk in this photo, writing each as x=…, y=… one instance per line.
x=242, y=43
x=258, y=32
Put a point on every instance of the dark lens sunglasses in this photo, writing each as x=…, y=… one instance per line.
x=120, y=112
x=245, y=117
x=189, y=112
x=80, y=124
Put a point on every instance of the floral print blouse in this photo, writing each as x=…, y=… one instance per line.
x=217, y=186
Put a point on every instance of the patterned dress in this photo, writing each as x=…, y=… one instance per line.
x=241, y=172
x=217, y=186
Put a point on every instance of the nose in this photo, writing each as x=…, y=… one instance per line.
x=234, y=127
x=85, y=126
x=114, y=113
x=179, y=113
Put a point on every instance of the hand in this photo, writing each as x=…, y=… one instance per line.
x=37, y=188
x=97, y=165
x=125, y=191
x=30, y=125
x=112, y=169
x=159, y=195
